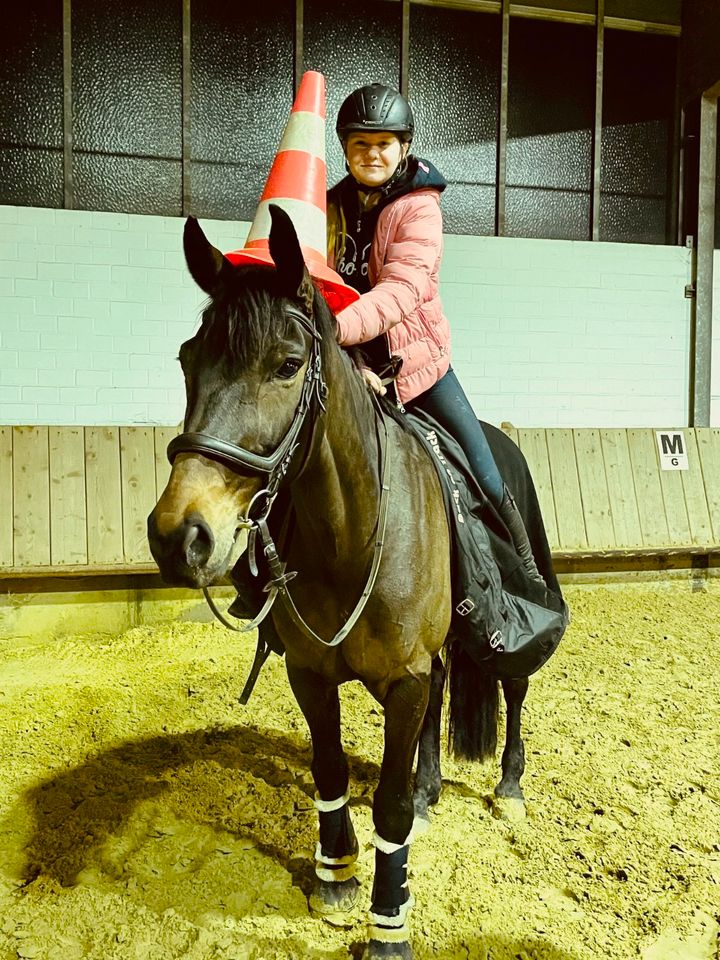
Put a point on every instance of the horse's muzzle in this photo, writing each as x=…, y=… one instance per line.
x=183, y=553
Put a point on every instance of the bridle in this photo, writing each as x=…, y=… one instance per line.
x=276, y=466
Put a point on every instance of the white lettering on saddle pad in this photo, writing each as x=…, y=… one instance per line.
x=431, y=437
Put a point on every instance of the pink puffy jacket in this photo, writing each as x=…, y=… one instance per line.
x=404, y=301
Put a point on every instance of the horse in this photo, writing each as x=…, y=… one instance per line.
x=275, y=406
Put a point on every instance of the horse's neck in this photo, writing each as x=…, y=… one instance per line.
x=338, y=494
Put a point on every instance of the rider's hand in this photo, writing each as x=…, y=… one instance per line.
x=373, y=381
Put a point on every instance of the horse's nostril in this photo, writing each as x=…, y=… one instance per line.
x=197, y=543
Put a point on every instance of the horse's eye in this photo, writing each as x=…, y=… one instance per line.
x=288, y=369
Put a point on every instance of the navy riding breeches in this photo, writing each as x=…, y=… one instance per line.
x=446, y=402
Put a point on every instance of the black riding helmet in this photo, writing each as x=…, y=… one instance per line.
x=376, y=107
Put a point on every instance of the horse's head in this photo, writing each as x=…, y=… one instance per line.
x=246, y=376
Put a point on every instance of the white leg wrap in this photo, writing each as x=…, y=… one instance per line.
x=389, y=934
x=337, y=875
x=327, y=806
x=387, y=846
x=398, y=922
x=333, y=869
x=333, y=861
x=394, y=928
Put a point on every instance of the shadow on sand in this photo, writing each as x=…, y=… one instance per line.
x=76, y=810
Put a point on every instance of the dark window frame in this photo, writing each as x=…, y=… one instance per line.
x=568, y=11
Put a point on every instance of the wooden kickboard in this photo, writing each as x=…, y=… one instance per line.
x=696, y=501
x=648, y=489
x=533, y=444
x=708, y=447
x=566, y=489
x=673, y=491
x=6, y=497
x=74, y=496
x=31, y=497
x=137, y=459
x=594, y=489
x=621, y=488
x=104, y=498
x=68, y=513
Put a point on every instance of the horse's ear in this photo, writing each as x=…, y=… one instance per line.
x=287, y=256
x=206, y=264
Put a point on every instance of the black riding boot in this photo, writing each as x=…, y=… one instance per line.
x=512, y=519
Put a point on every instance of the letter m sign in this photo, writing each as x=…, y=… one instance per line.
x=672, y=450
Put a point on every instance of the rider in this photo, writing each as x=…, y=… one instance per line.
x=385, y=239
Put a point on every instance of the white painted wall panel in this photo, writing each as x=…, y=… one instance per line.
x=93, y=307
x=550, y=332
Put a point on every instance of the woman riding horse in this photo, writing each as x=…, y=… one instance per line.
x=385, y=240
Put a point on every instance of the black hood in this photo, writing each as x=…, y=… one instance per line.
x=425, y=175
x=418, y=174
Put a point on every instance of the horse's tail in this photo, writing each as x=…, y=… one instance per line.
x=473, y=715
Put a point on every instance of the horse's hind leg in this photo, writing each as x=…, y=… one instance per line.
x=335, y=894
x=428, y=779
x=508, y=792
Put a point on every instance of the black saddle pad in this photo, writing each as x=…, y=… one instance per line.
x=506, y=621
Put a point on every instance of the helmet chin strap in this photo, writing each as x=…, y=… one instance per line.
x=399, y=172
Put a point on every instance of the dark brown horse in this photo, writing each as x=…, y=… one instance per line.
x=274, y=404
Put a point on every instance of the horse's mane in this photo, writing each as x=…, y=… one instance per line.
x=355, y=355
x=246, y=316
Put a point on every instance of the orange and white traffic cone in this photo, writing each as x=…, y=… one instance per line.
x=297, y=183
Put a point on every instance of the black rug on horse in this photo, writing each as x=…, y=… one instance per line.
x=507, y=622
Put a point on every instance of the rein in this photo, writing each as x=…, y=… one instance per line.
x=276, y=466
x=280, y=578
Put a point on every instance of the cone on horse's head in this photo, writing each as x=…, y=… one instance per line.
x=297, y=183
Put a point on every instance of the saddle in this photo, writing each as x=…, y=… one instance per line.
x=507, y=622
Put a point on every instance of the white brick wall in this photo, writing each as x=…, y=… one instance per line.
x=93, y=307
x=551, y=332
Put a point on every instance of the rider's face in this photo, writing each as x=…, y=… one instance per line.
x=374, y=157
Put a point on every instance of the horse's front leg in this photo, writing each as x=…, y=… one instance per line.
x=510, y=802
x=393, y=814
x=335, y=894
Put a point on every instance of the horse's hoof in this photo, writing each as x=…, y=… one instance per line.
x=422, y=801
x=337, y=903
x=376, y=950
x=510, y=809
x=421, y=824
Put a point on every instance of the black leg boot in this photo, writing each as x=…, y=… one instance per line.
x=512, y=519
